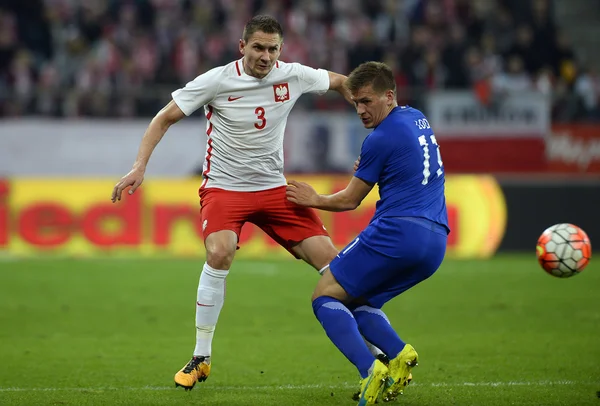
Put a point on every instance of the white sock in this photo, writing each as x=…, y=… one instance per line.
x=374, y=350
x=209, y=302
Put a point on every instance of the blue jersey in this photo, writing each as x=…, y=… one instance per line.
x=402, y=156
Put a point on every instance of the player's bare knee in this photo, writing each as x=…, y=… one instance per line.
x=219, y=257
x=316, y=294
x=220, y=249
x=333, y=292
x=329, y=286
x=219, y=254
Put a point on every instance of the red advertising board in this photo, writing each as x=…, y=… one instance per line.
x=493, y=154
x=574, y=148
x=569, y=149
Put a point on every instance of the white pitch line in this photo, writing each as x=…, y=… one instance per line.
x=346, y=385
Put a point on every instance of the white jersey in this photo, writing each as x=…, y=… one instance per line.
x=246, y=119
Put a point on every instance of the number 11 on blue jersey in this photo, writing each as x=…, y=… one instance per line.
x=426, y=157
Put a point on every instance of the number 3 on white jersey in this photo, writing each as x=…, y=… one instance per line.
x=426, y=165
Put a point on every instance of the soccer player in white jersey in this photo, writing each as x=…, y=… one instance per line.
x=246, y=103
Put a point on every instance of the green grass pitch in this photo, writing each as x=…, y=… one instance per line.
x=114, y=332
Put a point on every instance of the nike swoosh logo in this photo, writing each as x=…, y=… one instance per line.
x=205, y=305
x=233, y=98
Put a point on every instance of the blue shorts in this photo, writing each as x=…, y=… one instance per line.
x=389, y=257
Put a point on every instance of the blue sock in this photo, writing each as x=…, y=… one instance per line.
x=376, y=328
x=342, y=330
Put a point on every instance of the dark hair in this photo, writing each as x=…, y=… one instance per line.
x=264, y=23
x=376, y=74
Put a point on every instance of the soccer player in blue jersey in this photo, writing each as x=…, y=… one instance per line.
x=404, y=243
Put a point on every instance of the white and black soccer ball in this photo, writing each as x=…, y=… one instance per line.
x=564, y=250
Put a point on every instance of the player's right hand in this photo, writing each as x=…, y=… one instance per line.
x=356, y=163
x=134, y=178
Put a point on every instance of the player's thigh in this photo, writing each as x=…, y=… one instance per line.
x=223, y=213
x=290, y=225
x=361, y=270
x=317, y=251
x=405, y=277
x=224, y=210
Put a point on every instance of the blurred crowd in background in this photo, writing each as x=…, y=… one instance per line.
x=122, y=58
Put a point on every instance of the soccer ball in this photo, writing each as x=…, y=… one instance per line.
x=564, y=250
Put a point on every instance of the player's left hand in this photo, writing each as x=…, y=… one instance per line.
x=301, y=193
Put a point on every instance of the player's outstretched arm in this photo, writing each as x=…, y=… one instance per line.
x=169, y=115
x=348, y=199
x=337, y=82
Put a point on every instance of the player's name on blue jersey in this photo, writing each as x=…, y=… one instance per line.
x=403, y=157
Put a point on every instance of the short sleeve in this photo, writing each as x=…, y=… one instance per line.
x=373, y=156
x=199, y=91
x=312, y=80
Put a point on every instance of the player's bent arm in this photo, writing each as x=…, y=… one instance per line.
x=165, y=118
x=337, y=82
x=348, y=199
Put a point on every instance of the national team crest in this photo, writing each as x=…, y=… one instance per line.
x=281, y=92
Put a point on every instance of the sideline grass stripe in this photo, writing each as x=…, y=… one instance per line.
x=300, y=387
